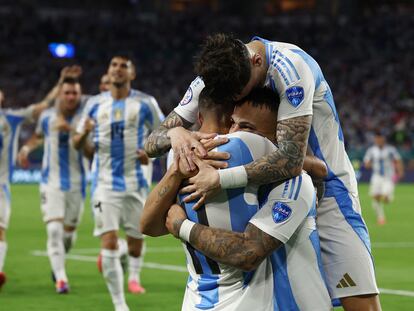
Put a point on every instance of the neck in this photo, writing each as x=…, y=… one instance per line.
x=120, y=91
x=209, y=127
x=68, y=113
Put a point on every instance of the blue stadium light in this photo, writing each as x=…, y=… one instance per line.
x=62, y=50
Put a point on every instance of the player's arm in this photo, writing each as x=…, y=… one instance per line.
x=33, y=143
x=398, y=164
x=159, y=201
x=368, y=159
x=315, y=167
x=243, y=250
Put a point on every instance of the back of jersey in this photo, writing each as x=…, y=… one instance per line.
x=215, y=286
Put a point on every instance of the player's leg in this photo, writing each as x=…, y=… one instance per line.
x=346, y=254
x=4, y=222
x=73, y=215
x=132, y=210
x=376, y=190
x=53, y=209
x=378, y=205
x=106, y=208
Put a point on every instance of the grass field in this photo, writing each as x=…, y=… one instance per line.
x=29, y=286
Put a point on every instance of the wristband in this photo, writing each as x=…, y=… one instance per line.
x=185, y=230
x=231, y=178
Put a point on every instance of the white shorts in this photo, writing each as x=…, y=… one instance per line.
x=67, y=205
x=346, y=257
x=381, y=185
x=114, y=209
x=4, y=206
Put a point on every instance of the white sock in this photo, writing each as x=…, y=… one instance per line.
x=135, y=265
x=122, y=247
x=3, y=251
x=379, y=209
x=69, y=238
x=56, y=250
x=114, y=277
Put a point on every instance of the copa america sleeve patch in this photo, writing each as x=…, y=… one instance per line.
x=295, y=95
x=280, y=212
x=187, y=97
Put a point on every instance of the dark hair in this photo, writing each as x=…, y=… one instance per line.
x=224, y=66
x=262, y=97
x=70, y=80
x=207, y=104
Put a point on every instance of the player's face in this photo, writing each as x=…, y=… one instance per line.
x=379, y=140
x=1, y=99
x=258, y=120
x=70, y=96
x=105, y=83
x=120, y=71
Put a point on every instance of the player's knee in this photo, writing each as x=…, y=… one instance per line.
x=109, y=240
x=2, y=234
x=54, y=230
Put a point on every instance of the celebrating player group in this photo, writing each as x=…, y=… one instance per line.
x=262, y=195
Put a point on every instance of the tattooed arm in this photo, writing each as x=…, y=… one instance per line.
x=242, y=250
x=287, y=161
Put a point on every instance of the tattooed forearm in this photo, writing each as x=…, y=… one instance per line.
x=158, y=142
x=244, y=251
x=287, y=160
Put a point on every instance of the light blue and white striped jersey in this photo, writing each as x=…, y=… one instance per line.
x=10, y=123
x=303, y=90
x=63, y=167
x=382, y=160
x=214, y=286
x=121, y=127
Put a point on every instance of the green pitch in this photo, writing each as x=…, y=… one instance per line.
x=29, y=286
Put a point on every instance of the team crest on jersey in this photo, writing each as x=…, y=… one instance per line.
x=187, y=97
x=295, y=95
x=280, y=212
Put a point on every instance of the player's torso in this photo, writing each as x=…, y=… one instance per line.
x=288, y=64
x=383, y=161
x=230, y=210
x=121, y=127
x=63, y=166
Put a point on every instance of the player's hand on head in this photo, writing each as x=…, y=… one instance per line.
x=183, y=142
x=175, y=217
x=142, y=157
x=203, y=185
x=212, y=143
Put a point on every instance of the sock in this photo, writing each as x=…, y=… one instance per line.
x=3, y=251
x=114, y=277
x=56, y=250
x=69, y=238
x=379, y=209
x=135, y=265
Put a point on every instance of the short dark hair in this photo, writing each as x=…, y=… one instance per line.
x=207, y=104
x=262, y=97
x=70, y=80
x=224, y=66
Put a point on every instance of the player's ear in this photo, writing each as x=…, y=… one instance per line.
x=256, y=60
x=200, y=118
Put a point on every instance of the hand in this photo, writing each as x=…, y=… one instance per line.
x=89, y=125
x=23, y=157
x=211, y=143
x=142, y=157
x=74, y=71
x=184, y=141
x=175, y=217
x=62, y=125
x=203, y=185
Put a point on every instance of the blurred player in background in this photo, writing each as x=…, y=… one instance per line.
x=10, y=124
x=387, y=168
x=120, y=120
x=104, y=83
x=63, y=182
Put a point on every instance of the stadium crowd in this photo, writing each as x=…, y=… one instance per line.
x=365, y=58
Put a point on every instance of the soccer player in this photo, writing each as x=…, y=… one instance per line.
x=217, y=280
x=386, y=164
x=10, y=124
x=63, y=183
x=306, y=116
x=121, y=119
x=104, y=83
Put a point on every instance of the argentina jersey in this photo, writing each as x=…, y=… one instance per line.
x=63, y=167
x=121, y=127
x=287, y=213
x=215, y=286
x=382, y=160
x=10, y=123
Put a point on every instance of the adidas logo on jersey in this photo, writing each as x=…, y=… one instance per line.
x=346, y=281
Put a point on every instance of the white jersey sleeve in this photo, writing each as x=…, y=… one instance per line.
x=157, y=114
x=91, y=103
x=188, y=106
x=286, y=208
x=368, y=155
x=296, y=94
x=19, y=115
